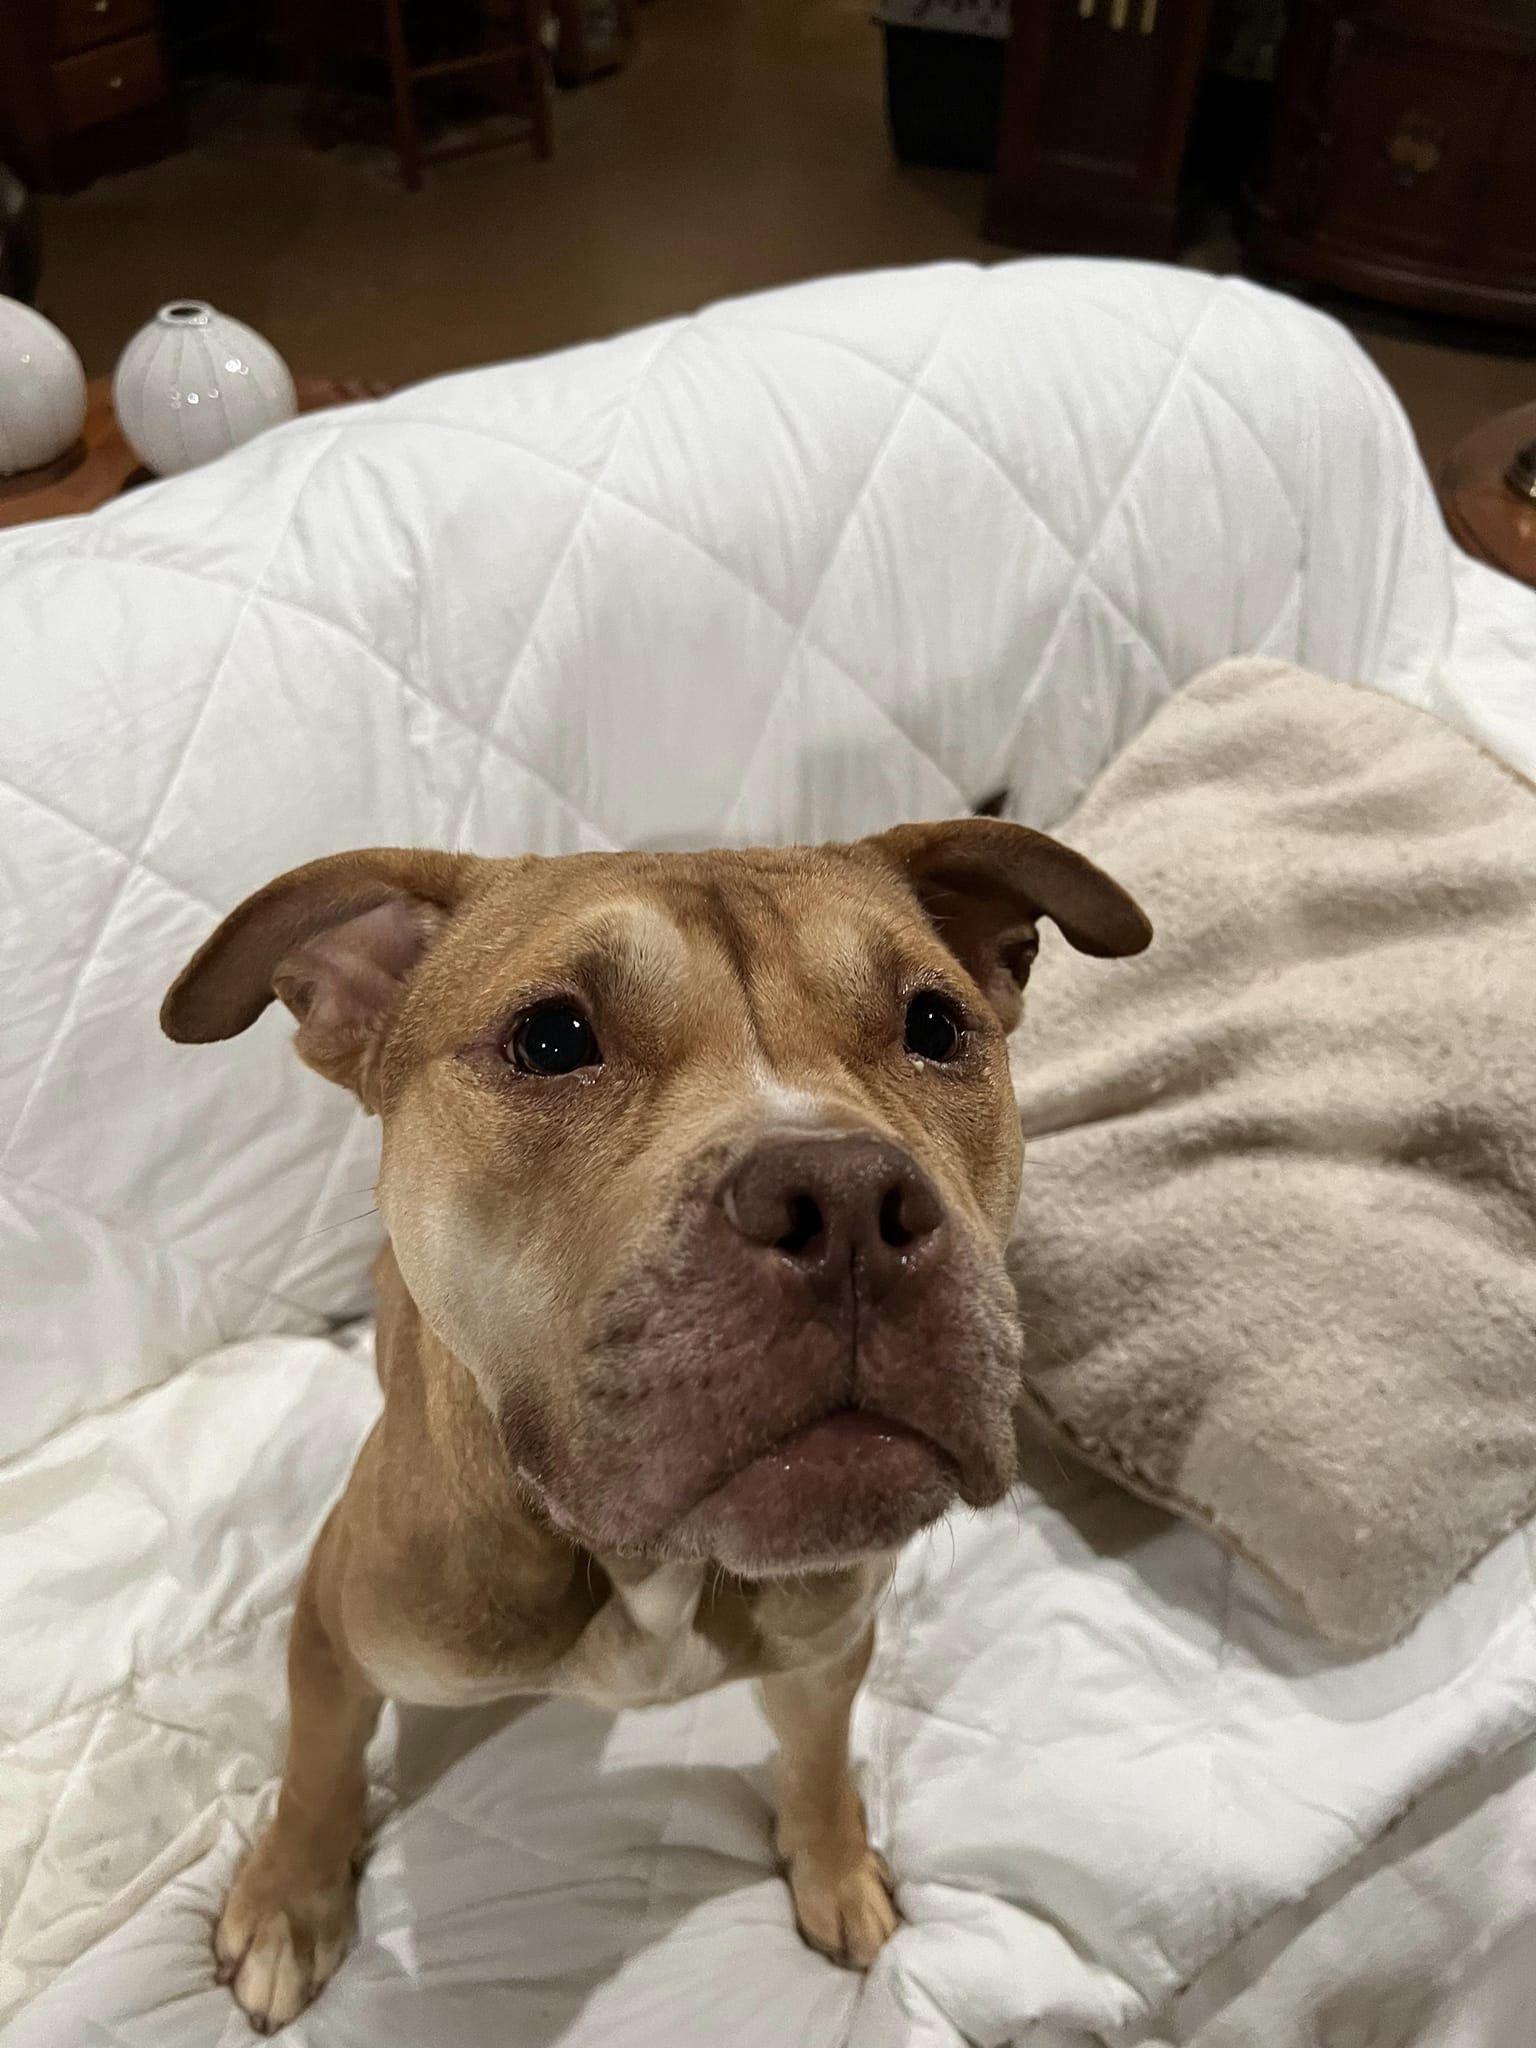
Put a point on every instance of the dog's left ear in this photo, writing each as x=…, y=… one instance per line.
x=337, y=941
x=984, y=883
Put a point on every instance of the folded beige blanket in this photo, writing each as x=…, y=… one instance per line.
x=1277, y=1242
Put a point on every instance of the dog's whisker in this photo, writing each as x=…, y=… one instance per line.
x=340, y=1222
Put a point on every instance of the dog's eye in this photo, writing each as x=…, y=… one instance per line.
x=934, y=1028
x=554, y=1038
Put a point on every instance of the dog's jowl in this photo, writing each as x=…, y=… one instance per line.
x=697, y=1172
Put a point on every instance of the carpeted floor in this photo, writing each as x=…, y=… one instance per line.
x=744, y=146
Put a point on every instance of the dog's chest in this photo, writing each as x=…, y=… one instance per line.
x=664, y=1633
x=642, y=1647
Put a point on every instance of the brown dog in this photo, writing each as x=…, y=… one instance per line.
x=697, y=1172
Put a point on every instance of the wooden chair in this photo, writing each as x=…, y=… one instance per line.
x=510, y=65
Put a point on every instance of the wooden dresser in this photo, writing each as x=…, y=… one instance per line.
x=1403, y=154
x=84, y=89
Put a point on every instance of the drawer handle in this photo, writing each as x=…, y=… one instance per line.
x=1414, y=151
x=101, y=6
x=115, y=82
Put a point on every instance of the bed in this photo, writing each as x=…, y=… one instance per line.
x=796, y=566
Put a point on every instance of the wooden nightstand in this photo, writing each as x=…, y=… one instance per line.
x=1487, y=514
x=1403, y=154
x=102, y=465
x=84, y=89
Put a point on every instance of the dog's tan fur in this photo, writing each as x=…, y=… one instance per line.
x=585, y=1370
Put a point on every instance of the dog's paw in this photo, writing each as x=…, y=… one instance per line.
x=277, y=1943
x=844, y=1910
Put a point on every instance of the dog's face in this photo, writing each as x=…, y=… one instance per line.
x=702, y=1165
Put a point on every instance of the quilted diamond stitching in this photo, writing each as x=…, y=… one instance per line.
x=265, y=1287
x=648, y=369
x=48, y=810
x=600, y=490
x=71, y=1003
x=1110, y=604
x=882, y=712
x=1110, y=508
x=271, y=602
x=1201, y=377
x=987, y=455
x=597, y=488
x=1179, y=358
x=603, y=493
x=606, y=494
x=898, y=416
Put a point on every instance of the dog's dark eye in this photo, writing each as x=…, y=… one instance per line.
x=934, y=1029
x=555, y=1038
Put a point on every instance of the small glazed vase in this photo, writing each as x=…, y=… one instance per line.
x=42, y=390
x=193, y=384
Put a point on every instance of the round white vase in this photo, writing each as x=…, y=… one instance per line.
x=42, y=390
x=193, y=384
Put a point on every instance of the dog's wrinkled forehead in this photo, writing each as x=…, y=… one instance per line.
x=382, y=954
x=740, y=950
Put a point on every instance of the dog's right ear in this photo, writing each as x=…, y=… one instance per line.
x=337, y=941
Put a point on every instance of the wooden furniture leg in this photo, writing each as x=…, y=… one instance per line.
x=510, y=58
x=401, y=78
x=537, y=74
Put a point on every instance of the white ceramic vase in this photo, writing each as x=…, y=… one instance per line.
x=193, y=383
x=42, y=390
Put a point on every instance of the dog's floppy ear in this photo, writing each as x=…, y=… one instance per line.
x=337, y=941
x=985, y=882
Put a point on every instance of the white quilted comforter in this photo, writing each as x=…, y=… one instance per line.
x=799, y=566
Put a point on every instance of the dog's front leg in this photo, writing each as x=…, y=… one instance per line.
x=841, y=1888
x=289, y=1915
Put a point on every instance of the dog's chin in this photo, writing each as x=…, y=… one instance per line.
x=847, y=1486
x=852, y=1484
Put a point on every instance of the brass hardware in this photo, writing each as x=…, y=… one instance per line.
x=1414, y=151
x=115, y=83
x=1120, y=14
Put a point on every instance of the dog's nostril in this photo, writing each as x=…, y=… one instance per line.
x=805, y=1225
x=834, y=1207
x=893, y=1224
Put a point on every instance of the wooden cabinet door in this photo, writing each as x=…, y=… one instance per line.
x=1095, y=114
x=1403, y=154
x=1409, y=164
x=1504, y=241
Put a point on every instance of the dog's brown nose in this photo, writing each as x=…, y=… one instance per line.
x=837, y=1209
